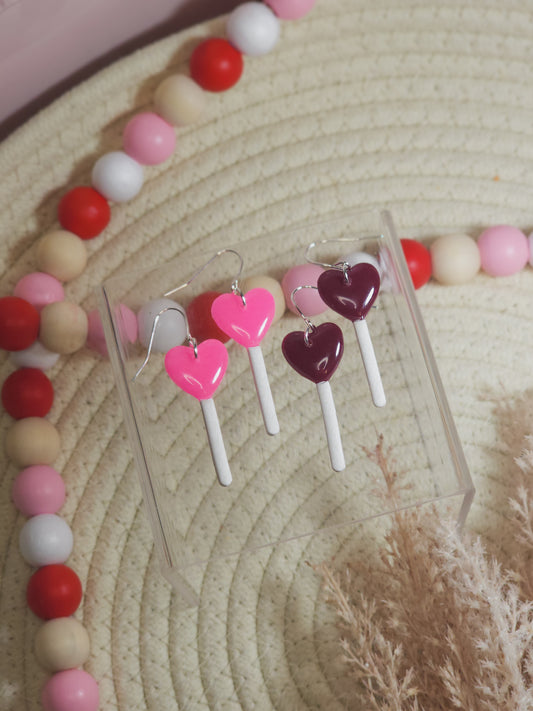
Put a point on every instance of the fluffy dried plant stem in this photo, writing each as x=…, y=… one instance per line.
x=436, y=624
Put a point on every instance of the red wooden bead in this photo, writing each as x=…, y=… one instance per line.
x=27, y=392
x=418, y=260
x=216, y=65
x=19, y=323
x=54, y=591
x=84, y=212
x=201, y=324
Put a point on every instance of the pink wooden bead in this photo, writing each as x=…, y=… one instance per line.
x=149, y=139
x=308, y=300
x=127, y=325
x=290, y=9
x=70, y=690
x=504, y=250
x=38, y=489
x=39, y=289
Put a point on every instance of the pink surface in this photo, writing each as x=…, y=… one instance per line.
x=39, y=289
x=149, y=139
x=37, y=490
x=308, y=299
x=73, y=689
x=246, y=323
x=504, y=250
x=198, y=374
x=47, y=46
x=291, y=9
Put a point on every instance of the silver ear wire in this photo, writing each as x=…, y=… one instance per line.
x=235, y=283
x=341, y=265
x=310, y=327
x=158, y=316
x=338, y=265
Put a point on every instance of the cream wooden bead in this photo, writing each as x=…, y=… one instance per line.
x=62, y=643
x=64, y=327
x=263, y=281
x=61, y=254
x=32, y=440
x=455, y=259
x=179, y=100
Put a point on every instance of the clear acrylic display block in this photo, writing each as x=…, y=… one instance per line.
x=284, y=491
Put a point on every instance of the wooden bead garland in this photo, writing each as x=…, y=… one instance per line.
x=54, y=590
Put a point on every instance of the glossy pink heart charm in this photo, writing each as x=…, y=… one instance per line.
x=246, y=323
x=198, y=375
x=351, y=293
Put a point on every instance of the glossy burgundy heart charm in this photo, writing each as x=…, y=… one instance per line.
x=352, y=292
x=317, y=357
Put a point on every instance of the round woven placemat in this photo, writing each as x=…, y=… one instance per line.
x=423, y=108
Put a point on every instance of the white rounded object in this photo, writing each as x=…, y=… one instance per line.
x=36, y=356
x=45, y=539
x=253, y=29
x=171, y=328
x=455, y=259
x=117, y=176
x=362, y=258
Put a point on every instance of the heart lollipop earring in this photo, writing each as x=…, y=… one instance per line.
x=198, y=369
x=315, y=354
x=246, y=319
x=351, y=291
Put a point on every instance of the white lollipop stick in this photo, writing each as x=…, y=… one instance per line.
x=264, y=393
x=331, y=423
x=214, y=435
x=369, y=361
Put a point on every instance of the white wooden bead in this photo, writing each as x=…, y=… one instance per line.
x=45, y=539
x=36, y=356
x=62, y=643
x=362, y=258
x=253, y=29
x=117, y=176
x=64, y=327
x=180, y=100
x=171, y=328
x=455, y=259
x=61, y=254
x=32, y=440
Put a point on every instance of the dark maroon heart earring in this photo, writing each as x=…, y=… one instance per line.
x=351, y=291
x=315, y=354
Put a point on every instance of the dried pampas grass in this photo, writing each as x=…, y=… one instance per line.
x=438, y=623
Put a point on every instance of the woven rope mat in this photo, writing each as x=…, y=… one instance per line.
x=425, y=108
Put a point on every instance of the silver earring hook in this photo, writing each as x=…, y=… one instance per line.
x=188, y=338
x=309, y=325
x=234, y=284
x=341, y=265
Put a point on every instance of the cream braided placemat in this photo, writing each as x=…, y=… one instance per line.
x=424, y=108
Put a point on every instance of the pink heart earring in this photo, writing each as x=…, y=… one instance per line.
x=315, y=354
x=351, y=291
x=198, y=369
x=246, y=319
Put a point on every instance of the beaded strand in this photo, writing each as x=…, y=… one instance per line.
x=37, y=325
x=501, y=250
